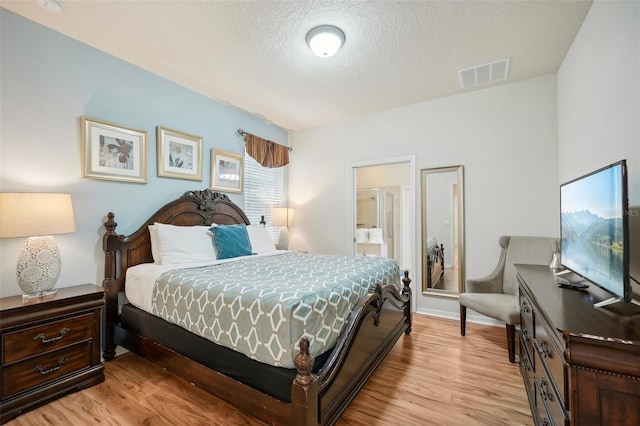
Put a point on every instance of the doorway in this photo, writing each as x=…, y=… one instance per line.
x=384, y=219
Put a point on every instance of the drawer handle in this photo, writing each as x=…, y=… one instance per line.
x=545, y=393
x=546, y=351
x=40, y=369
x=43, y=338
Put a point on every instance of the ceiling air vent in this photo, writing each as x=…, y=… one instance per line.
x=483, y=74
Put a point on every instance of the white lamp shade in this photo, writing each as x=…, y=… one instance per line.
x=325, y=40
x=283, y=216
x=35, y=214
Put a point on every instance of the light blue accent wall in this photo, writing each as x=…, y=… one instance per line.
x=47, y=82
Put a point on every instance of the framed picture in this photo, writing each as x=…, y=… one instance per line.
x=226, y=171
x=113, y=152
x=179, y=154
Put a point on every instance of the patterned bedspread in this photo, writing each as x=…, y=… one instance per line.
x=262, y=305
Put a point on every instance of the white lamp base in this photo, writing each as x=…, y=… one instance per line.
x=38, y=266
x=283, y=239
x=38, y=295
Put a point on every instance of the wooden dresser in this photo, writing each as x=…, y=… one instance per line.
x=580, y=364
x=50, y=346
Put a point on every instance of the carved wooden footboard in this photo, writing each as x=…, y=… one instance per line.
x=374, y=327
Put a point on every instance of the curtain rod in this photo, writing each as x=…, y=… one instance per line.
x=241, y=133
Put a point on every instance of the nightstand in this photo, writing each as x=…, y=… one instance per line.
x=50, y=346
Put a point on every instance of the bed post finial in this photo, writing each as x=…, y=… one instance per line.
x=406, y=291
x=304, y=363
x=406, y=283
x=111, y=224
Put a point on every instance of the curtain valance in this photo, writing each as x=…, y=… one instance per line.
x=267, y=153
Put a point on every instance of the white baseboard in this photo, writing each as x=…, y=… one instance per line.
x=471, y=316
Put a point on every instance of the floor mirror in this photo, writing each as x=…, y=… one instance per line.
x=442, y=191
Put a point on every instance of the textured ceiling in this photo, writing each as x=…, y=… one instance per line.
x=252, y=54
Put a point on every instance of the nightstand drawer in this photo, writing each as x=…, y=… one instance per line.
x=43, y=338
x=37, y=371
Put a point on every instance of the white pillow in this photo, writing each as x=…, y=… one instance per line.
x=260, y=239
x=184, y=244
x=155, y=244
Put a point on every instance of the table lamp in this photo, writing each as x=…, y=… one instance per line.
x=283, y=217
x=37, y=216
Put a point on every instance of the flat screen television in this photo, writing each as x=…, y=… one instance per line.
x=594, y=229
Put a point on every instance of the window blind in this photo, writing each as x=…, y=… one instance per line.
x=263, y=190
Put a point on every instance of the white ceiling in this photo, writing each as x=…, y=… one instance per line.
x=252, y=54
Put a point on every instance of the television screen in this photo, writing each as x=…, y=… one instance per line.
x=594, y=228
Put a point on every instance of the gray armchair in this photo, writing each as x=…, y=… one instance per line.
x=496, y=295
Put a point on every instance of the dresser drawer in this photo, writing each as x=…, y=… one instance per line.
x=526, y=337
x=538, y=409
x=526, y=312
x=43, y=338
x=37, y=371
x=548, y=397
x=526, y=369
x=551, y=356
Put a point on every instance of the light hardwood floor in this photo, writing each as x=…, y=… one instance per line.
x=449, y=280
x=432, y=377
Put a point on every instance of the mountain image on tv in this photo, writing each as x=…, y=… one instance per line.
x=592, y=245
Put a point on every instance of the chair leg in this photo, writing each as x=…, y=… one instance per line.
x=463, y=319
x=511, y=342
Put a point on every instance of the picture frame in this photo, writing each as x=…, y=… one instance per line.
x=179, y=154
x=113, y=152
x=227, y=170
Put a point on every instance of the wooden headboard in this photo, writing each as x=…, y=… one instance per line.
x=124, y=251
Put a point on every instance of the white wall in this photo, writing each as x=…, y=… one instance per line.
x=505, y=136
x=599, y=101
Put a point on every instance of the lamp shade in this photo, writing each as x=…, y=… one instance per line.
x=283, y=216
x=35, y=214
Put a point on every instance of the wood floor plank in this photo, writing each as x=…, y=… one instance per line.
x=432, y=377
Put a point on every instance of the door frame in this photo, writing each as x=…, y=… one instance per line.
x=409, y=204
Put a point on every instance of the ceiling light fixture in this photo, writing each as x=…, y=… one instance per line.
x=54, y=6
x=325, y=40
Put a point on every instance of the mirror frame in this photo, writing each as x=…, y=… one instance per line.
x=460, y=226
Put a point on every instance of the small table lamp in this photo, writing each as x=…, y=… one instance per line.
x=283, y=217
x=37, y=216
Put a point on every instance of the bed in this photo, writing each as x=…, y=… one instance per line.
x=313, y=390
x=435, y=262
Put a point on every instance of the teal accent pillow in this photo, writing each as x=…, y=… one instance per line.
x=231, y=240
